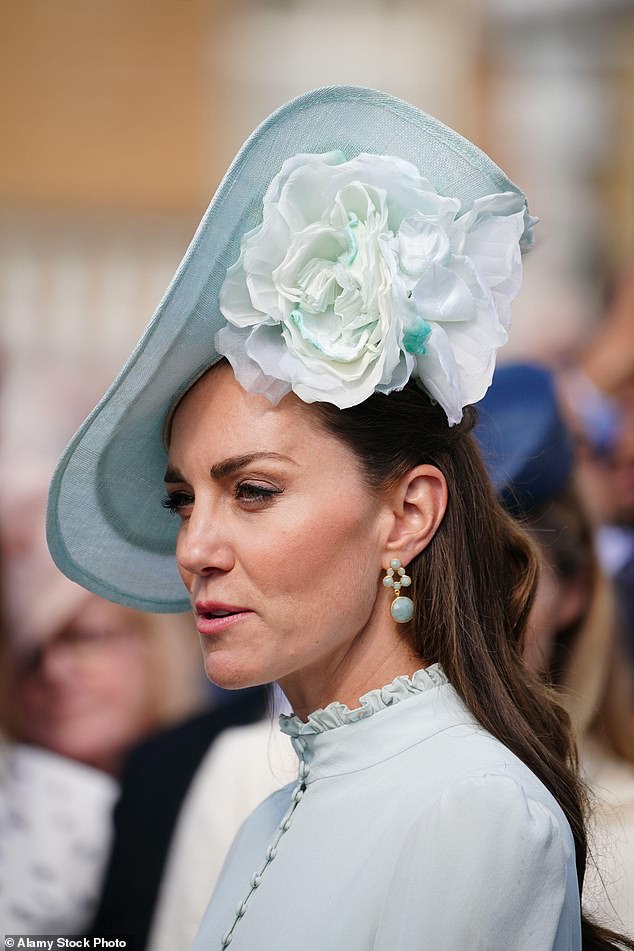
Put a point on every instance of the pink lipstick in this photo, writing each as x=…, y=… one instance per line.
x=212, y=617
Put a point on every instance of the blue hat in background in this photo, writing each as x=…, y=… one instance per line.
x=525, y=444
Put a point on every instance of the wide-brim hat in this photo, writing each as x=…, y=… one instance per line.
x=106, y=526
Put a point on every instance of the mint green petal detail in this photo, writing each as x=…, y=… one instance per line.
x=298, y=319
x=353, y=221
x=414, y=340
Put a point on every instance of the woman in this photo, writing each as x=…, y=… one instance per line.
x=321, y=473
x=573, y=638
x=54, y=826
x=90, y=678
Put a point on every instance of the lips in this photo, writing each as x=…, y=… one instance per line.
x=212, y=617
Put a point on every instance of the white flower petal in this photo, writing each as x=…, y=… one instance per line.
x=303, y=160
x=439, y=373
x=261, y=252
x=408, y=190
x=397, y=377
x=361, y=276
x=234, y=299
x=421, y=243
x=306, y=276
x=442, y=295
x=493, y=246
x=474, y=346
x=234, y=343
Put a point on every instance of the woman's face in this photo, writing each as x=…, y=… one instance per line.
x=281, y=545
x=86, y=693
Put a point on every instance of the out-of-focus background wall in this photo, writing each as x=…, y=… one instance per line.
x=120, y=117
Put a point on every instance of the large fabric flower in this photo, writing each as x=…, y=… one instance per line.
x=361, y=276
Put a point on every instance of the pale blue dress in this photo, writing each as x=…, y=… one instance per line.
x=410, y=828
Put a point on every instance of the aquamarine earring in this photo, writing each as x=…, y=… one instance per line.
x=402, y=608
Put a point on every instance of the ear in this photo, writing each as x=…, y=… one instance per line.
x=418, y=503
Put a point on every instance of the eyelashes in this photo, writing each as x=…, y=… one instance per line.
x=251, y=492
x=175, y=501
x=246, y=493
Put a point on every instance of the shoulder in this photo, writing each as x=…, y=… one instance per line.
x=495, y=842
x=55, y=815
x=500, y=859
x=477, y=810
x=37, y=772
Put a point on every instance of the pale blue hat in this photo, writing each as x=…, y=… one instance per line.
x=107, y=529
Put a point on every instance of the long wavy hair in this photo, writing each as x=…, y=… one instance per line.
x=473, y=587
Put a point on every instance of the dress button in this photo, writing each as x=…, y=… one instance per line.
x=256, y=880
x=271, y=852
x=297, y=795
x=285, y=825
x=227, y=938
x=242, y=908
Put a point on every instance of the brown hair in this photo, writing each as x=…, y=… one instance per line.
x=589, y=665
x=473, y=587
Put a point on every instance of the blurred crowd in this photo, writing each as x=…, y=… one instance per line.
x=123, y=777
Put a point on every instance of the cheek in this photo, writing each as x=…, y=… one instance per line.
x=117, y=684
x=31, y=700
x=125, y=678
x=332, y=554
x=185, y=576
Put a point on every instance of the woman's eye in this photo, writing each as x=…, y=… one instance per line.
x=252, y=493
x=175, y=502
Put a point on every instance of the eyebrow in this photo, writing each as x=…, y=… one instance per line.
x=230, y=466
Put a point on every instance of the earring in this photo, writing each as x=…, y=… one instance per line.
x=402, y=608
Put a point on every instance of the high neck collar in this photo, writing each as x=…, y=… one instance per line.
x=395, y=717
x=338, y=714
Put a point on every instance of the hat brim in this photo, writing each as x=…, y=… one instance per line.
x=106, y=527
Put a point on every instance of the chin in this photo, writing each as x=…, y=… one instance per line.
x=232, y=677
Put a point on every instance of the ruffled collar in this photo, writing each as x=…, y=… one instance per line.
x=338, y=714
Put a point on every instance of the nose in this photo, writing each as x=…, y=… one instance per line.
x=203, y=546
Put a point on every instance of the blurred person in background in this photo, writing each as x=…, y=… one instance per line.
x=574, y=638
x=598, y=397
x=91, y=678
x=54, y=824
x=55, y=831
x=83, y=681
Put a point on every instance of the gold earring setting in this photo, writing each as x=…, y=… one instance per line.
x=402, y=608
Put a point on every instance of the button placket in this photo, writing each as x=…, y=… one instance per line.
x=271, y=850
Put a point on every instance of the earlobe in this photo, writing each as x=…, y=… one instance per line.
x=419, y=504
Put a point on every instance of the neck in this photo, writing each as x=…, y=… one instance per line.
x=369, y=663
